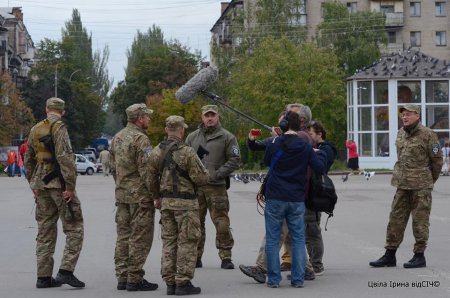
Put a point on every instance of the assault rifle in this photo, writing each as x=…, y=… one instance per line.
x=201, y=152
x=56, y=173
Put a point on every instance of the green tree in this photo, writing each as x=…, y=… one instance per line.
x=15, y=116
x=81, y=79
x=154, y=65
x=280, y=72
x=356, y=37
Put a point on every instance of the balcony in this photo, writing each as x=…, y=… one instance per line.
x=392, y=48
x=394, y=19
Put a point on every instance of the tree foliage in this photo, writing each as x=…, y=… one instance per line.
x=355, y=36
x=15, y=116
x=154, y=65
x=281, y=72
x=81, y=79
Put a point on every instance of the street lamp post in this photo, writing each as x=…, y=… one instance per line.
x=56, y=81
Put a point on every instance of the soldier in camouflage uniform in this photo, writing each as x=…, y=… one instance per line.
x=417, y=169
x=54, y=199
x=176, y=172
x=220, y=155
x=130, y=150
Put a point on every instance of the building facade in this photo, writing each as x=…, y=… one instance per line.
x=375, y=94
x=16, y=46
x=420, y=24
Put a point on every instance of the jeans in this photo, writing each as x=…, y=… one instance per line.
x=274, y=214
x=12, y=169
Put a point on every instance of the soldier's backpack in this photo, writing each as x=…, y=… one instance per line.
x=322, y=195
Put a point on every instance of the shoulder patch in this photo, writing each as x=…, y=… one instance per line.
x=235, y=150
x=147, y=151
x=435, y=149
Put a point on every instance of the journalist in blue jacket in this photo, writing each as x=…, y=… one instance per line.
x=288, y=156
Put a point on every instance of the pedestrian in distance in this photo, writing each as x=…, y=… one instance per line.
x=51, y=173
x=418, y=166
x=176, y=173
x=105, y=160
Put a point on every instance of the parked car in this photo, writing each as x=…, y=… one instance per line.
x=93, y=150
x=89, y=154
x=84, y=166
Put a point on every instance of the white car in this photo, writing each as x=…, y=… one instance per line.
x=84, y=166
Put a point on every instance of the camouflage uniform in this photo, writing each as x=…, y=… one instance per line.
x=222, y=160
x=130, y=149
x=417, y=169
x=180, y=223
x=50, y=204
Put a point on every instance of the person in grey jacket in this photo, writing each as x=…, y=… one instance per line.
x=219, y=152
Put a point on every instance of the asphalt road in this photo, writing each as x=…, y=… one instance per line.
x=355, y=236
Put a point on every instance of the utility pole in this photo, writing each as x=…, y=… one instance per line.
x=56, y=81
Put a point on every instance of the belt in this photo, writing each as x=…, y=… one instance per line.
x=184, y=196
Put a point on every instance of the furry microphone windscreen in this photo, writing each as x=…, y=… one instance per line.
x=197, y=84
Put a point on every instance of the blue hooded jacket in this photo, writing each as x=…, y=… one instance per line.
x=287, y=179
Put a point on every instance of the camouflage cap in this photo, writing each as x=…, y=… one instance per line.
x=410, y=107
x=55, y=103
x=210, y=108
x=174, y=122
x=136, y=110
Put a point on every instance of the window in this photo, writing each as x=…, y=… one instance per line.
x=365, y=119
x=437, y=117
x=440, y=9
x=415, y=38
x=365, y=144
x=436, y=91
x=441, y=38
x=392, y=37
x=384, y=9
x=408, y=92
x=352, y=6
x=364, y=92
x=414, y=9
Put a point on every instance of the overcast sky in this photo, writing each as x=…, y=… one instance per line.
x=115, y=22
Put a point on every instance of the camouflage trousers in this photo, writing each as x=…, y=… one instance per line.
x=261, y=260
x=180, y=235
x=134, y=226
x=215, y=199
x=406, y=202
x=50, y=206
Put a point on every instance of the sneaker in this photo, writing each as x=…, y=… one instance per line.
x=253, y=272
x=121, y=285
x=297, y=285
x=70, y=279
x=187, y=289
x=199, y=264
x=309, y=275
x=285, y=266
x=141, y=286
x=171, y=289
x=47, y=282
x=227, y=264
x=273, y=286
x=318, y=272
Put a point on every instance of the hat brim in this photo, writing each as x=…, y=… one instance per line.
x=212, y=111
x=400, y=110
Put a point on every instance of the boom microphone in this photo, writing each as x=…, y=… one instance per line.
x=197, y=84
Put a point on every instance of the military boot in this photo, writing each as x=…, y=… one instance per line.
x=187, y=289
x=67, y=277
x=47, y=282
x=171, y=289
x=141, y=286
x=417, y=261
x=387, y=260
x=227, y=264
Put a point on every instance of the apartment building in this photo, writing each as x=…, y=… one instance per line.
x=16, y=46
x=420, y=24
